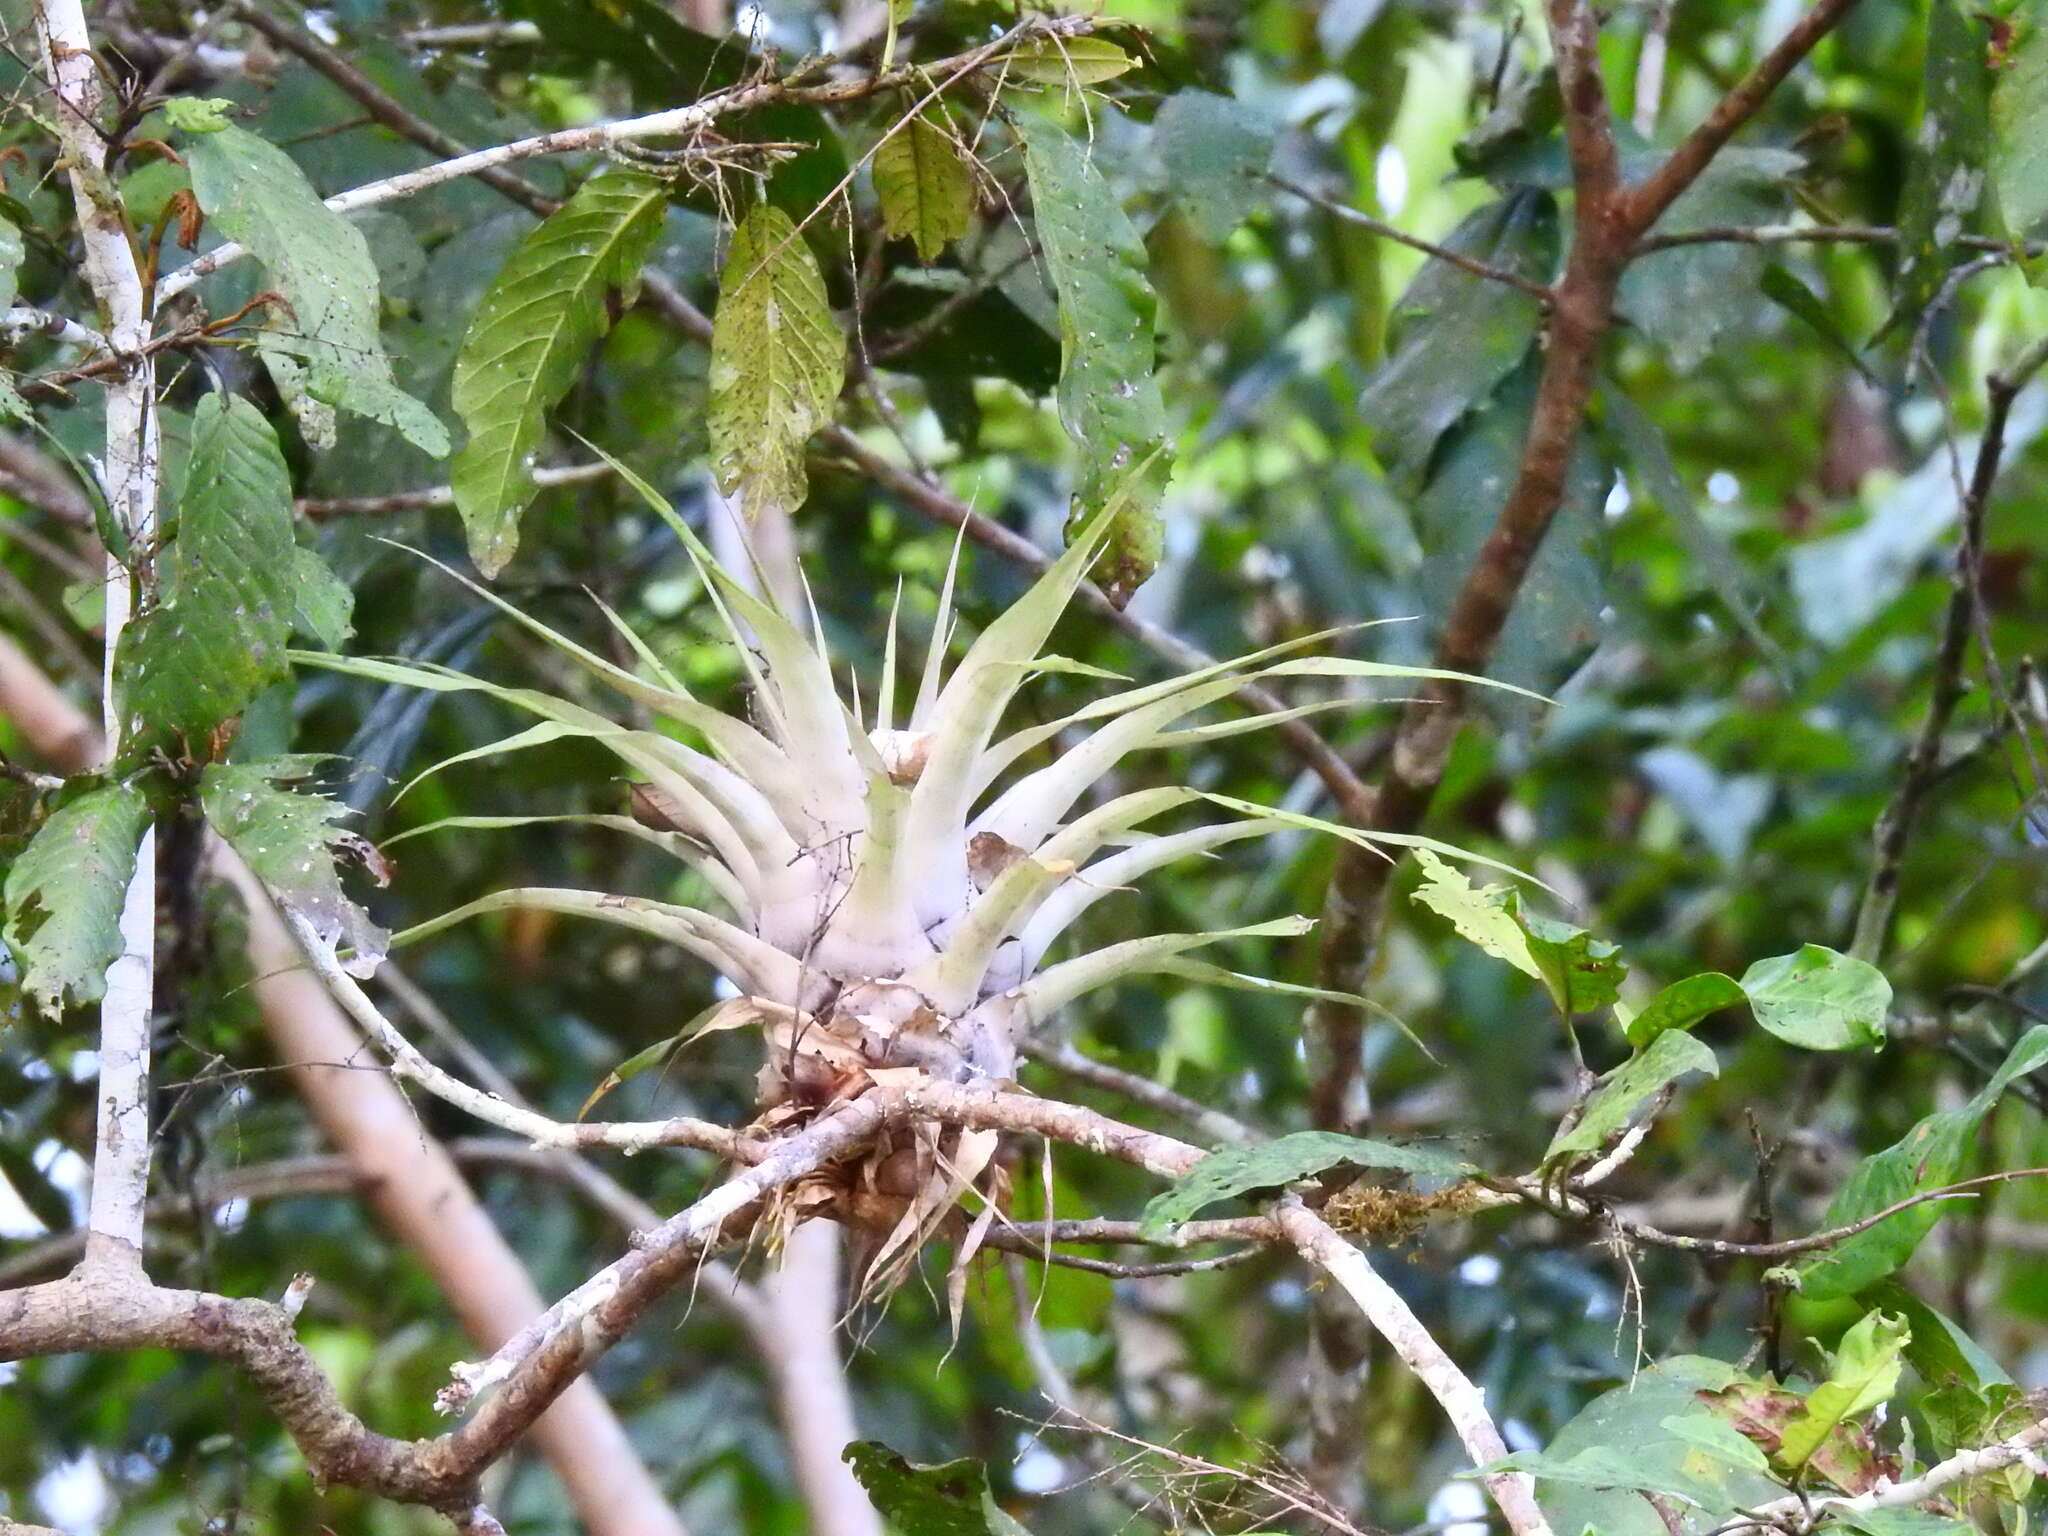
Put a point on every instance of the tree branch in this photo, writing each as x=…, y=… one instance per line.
x=120, y=1177
x=1923, y=759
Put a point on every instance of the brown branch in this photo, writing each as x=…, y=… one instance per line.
x=1647, y=202
x=1923, y=767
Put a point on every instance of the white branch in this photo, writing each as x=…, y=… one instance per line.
x=22, y=321
x=1804, y=1514
x=1454, y=1391
x=408, y=1063
x=120, y=1170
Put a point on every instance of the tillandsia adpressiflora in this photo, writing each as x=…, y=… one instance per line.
x=893, y=884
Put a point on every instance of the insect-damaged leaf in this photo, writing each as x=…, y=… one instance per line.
x=1945, y=180
x=1864, y=1373
x=925, y=181
x=777, y=363
x=228, y=582
x=326, y=352
x=949, y=1499
x=1108, y=395
x=289, y=841
x=1271, y=1164
x=64, y=895
x=529, y=337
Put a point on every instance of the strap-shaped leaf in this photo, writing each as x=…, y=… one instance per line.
x=326, y=351
x=529, y=336
x=777, y=363
x=925, y=182
x=1108, y=395
x=64, y=895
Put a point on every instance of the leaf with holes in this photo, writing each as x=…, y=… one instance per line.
x=528, y=340
x=1945, y=178
x=777, y=363
x=1108, y=395
x=949, y=1499
x=1819, y=999
x=227, y=583
x=289, y=841
x=1614, y=1102
x=64, y=894
x=326, y=352
x=925, y=181
x=1233, y=1171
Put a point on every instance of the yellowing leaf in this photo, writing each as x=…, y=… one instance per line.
x=1866, y=1373
x=777, y=363
x=925, y=182
x=1479, y=913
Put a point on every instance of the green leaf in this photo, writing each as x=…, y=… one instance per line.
x=1581, y=972
x=925, y=181
x=227, y=582
x=949, y=1499
x=1945, y=178
x=1233, y=1171
x=1457, y=336
x=1938, y=1348
x=1557, y=618
x=289, y=841
x=1613, y=1103
x=1719, y=1439
x=1905, y=1522
x=1215, y=150
x=527, y=341
x=11, y=252
x=198, y=114
x=777, y=363
x=1927, y=1157
x=326, y=352
x=1604, y=1467
x=1692, y=299
x=323, y=607
x=1683, y=1004
x=1069, y=62
x=1635, y=1422
x=65, y=891
x=1109, y=397
x=1864, y=1374
x=2019, y=123
x=1795, y=298
x=1819, y=999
